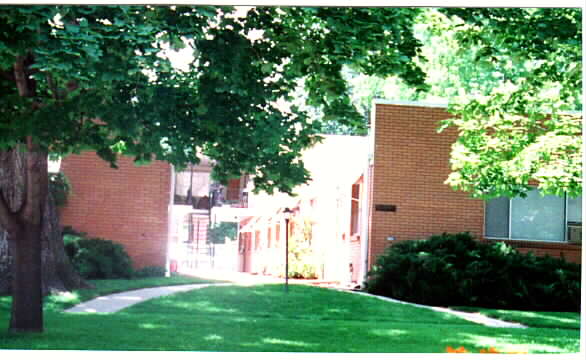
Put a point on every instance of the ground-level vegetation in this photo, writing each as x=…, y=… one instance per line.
x=265, y=318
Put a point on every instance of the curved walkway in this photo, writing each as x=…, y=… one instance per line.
x=473, y=317
x=118, y=301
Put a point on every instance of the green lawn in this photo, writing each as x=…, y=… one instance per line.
x=264, y=318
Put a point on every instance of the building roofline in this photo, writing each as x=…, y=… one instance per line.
x=377, y=101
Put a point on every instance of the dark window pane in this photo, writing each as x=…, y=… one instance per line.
x=538, y=217
x=497, y=218
x=575, y=209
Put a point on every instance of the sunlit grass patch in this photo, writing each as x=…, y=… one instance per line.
x=274, y=341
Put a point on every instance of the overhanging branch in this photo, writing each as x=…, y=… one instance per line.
x=20, y=77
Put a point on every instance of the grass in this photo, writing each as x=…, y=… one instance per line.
x=263, y=318
x=539, y=319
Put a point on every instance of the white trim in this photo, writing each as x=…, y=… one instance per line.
x=365, y=213
x=170, y=222
x=445, y=105
x=528, y=240
x=409, y=103
x=566, y=218
x=510, y=217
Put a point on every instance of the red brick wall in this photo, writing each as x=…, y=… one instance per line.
x=570, y=252
x=410, y=167
x=411, y=163
x=127, y=205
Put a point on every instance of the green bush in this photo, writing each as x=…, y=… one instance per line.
x=96, y=258
x=150, y=271
x=60, y=188
x=455, y=270
x=218, y=233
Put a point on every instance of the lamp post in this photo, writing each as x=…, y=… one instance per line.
x=287, y=213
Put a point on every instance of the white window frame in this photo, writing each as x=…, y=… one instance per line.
x=565, y=235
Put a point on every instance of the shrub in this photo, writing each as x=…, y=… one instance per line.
x=302, y=271
x=60, y=188
x=96, y=258
x=453, y=269
x=218, y=233
x=150, y=271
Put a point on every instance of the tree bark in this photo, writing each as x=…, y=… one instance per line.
x=27, y=296
x=21, y=215
x=32, y=243
x=58, y=274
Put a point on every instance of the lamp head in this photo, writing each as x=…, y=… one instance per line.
x=287, y=213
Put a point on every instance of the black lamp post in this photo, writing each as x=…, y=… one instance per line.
x=287, y=213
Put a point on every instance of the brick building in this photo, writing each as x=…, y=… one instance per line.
x=409, y=199
x=402, y=196
x=321, y=215
x=148, y=209
x=128, y=205
x=367, y=194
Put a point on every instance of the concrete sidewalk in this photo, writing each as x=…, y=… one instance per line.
x=118, y=301
x=472, y=317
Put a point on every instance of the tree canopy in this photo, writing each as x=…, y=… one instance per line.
x=525, y=127
x=513, y=79
x=64, y=67
x=75, y=78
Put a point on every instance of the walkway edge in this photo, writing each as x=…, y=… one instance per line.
x=114, y=302
x=472, y=317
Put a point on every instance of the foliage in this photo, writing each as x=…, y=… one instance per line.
x=303, y=262
x=455, y=270
x=512, y=78
x=149, y=272
x=77, y=78
x=521, y=128
x=95, y=258
x=108, y=63
x=60, y=188
x=219, y=232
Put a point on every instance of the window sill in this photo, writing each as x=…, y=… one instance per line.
x=538, y=243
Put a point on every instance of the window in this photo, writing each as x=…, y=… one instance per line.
x=536, y=217
x=257, y=240
x=269, y=238
x=277, y=234
x=355, y=210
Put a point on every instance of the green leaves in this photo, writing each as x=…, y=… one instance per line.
x=107, y=63
x=517, y=131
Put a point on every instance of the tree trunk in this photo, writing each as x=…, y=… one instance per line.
x=58, y=273
x=27, y=296
x=32, y=256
